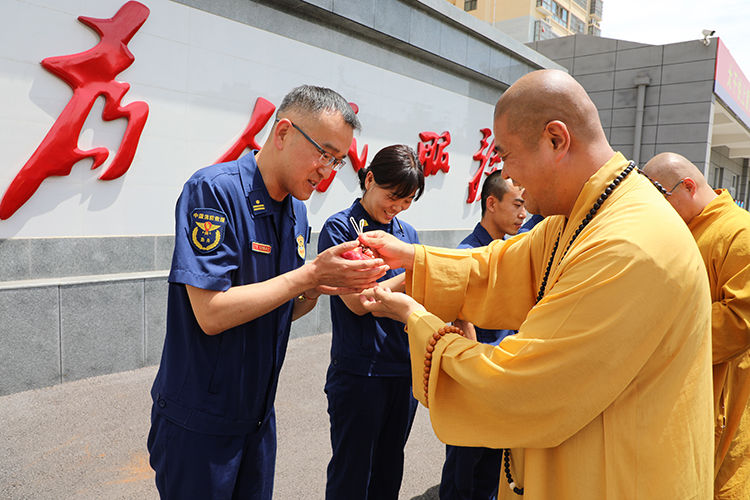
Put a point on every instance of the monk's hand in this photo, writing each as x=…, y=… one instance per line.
x=393, y=251
x=337, y=275
x=383, y=302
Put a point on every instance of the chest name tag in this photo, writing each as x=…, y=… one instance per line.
x=207, y=229
x=260, y=247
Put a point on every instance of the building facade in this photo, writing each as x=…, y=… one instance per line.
x=689, y=98
x=170, y=86
x=535, y=20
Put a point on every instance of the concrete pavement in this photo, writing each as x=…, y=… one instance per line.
x=87, y=439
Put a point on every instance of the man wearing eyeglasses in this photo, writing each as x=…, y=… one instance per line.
x=238, y=280
x=722, y=231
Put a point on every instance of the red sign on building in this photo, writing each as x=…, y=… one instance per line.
x=487, y=157
x=90, y=74
x=432, y=154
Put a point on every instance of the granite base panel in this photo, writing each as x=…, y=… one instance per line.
x=56, y=330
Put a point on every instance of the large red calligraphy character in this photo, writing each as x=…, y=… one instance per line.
x=490, y=158
x=262, y=112
x=357, y=161
x=90, y=74
x=431, y=152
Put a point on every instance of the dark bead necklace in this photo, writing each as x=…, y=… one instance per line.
x=581, y=227
x=542, y=288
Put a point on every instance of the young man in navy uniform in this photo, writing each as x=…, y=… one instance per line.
x=474, y=473
x=238, y=279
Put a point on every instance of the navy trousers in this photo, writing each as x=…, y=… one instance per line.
x=190, y=465
x=371, y=418
x=470, y=473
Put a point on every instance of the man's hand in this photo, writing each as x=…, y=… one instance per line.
x=393, y=251
x=388, y=304
x=468, y=329
x=336, y=275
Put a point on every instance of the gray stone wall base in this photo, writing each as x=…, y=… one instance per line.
x=57, y=329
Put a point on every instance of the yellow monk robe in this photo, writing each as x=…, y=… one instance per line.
x=722, y=232
x=605, y=392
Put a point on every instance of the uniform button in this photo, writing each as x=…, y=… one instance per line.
x=162, y=403
x=335, y=361
x=260, y=423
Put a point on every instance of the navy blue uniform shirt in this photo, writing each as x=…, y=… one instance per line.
x=227, y=235
x=366, y=345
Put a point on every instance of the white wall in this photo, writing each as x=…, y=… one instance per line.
x=200, y=75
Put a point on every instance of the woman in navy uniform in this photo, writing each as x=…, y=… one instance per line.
x=238, y=279
x=370, y=402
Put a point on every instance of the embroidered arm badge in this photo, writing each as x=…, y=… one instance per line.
x=207, y=229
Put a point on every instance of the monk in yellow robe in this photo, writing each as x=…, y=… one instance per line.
x=605, y=392
x=722, y=231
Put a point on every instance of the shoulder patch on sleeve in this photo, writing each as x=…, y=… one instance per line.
x=207, y=228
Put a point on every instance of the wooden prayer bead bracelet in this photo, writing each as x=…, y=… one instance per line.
x=428, y=355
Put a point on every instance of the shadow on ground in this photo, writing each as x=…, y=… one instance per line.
x=431, y=494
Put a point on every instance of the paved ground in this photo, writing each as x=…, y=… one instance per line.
x=87, y=439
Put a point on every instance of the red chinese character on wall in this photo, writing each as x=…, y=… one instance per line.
x=431, y=152
x=90, y=74
x=485, y=159
x=357, y=161
x=262, y=112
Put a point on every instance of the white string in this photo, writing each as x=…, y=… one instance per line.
x=359, y=228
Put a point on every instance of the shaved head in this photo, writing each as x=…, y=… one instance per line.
x=548, y=133
x=544, y=96
x=670, y=168
x=684, y=185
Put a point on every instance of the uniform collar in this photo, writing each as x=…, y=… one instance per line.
x=255, y=189
x=482, y=235
x=358, y=212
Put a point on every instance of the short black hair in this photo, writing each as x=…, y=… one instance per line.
x=396, y=167
x=315, y=100
x=494, y=185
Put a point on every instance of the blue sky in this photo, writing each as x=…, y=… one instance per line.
x=670, y=22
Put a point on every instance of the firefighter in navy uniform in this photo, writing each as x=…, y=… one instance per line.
x=238, y=279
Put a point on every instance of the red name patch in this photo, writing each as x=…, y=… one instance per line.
x=260, y=247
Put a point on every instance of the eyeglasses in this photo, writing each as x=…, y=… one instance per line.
x=326, y=159
x=671, y=191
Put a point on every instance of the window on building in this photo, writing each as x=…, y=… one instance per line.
x=546, y=4
x=559, y=14
x=470, y=5
x=543, y=31
x=582, y=3
x=730, y=183
x=593, y=30
x=596, y=8
x=717, y=177
x=577, y=26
